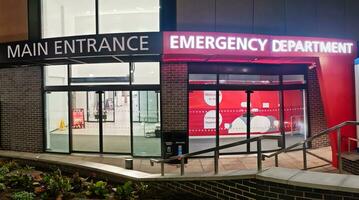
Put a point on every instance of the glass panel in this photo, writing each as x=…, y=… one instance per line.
x=265, y=117
x=92, y=106
x=233, y=119
x=68, y=18
x=128, y=16
x=293, y=79
x=100, y=74
x=85, y=134
x=55, y=75
x=57, y=123
x=202, y=79
x=108, y=101
x=202, y=120
x=116, y=122
x=240, y=79
x=146, y=73
x=146, y=123
x=295, y=122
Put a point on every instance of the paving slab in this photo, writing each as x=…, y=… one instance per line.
x=351, y=184
x=278, y=174
x=319, y=180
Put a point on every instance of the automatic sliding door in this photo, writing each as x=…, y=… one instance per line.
x=85, y=132
x=232, y=119
x=295, y=121
x=116, y=122
x=265, y=118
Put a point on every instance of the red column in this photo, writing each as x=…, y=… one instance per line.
x=336, y=80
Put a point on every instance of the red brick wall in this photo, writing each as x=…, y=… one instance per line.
x=21, y=109
x=174, y=96
x=316, y=113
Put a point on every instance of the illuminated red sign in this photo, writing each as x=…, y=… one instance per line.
x=252, y=45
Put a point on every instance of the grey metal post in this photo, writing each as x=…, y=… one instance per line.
x=348, y=145
x=339, y=141
x=305, y=156
x=276, y=160
x=182, y=166
x=162, y=168
x=216, y=159
x=259, y=154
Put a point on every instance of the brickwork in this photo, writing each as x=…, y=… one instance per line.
x=249, y=189
x=174, y=97
x=21, y=109
x=316, y=113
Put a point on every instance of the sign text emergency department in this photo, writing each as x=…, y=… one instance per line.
x=123, y=44
x=256, y=43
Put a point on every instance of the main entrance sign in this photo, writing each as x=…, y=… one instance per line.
x=121, y=45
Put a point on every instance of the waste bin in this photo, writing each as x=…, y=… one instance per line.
x=175, y=143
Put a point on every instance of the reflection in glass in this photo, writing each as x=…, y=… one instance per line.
x=55, y=75
x=146, y=123
x=116, y=122
x=146, y=73
x=202, y=79
x=85, y=134
x=118, y=16
x=240, y=79
x=293, y=79
x=68, y=18
x=295, y=122
x=100, y=74
x=57, y=123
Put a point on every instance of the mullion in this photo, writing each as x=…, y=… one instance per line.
x=97, y=17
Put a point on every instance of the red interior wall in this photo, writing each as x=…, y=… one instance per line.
x=230, y=108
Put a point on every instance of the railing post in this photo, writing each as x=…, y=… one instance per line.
x=259, y=154
x=339, y=141
x=305, y=156
x=349, y=145
x=182, y=166
x=162, y=168
x=276, y=160
x=216, y=159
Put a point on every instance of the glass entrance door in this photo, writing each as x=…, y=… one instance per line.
x=85, y=132
x=243, y=114
x=246, y=114
x=233, y=112
x=116, y=122
x=265, y=118
x=101, y=121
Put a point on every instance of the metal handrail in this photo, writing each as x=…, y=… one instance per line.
x=351, y=139
x=304, y=143
x=216, y=153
